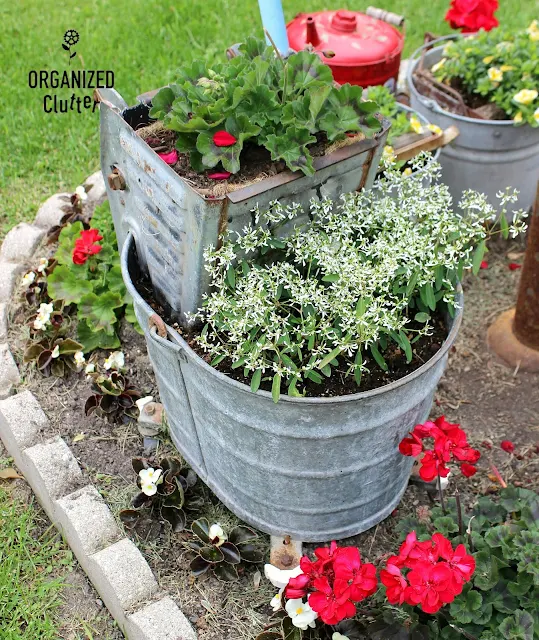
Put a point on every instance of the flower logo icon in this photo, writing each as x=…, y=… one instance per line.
x=71, y=37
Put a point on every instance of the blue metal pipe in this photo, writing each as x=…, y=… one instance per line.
x=273, y=22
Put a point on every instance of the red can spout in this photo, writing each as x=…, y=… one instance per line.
x=312, y=33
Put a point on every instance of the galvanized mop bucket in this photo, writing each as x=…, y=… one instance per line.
x=488, y=155
x=173, y=224
x=314, y=468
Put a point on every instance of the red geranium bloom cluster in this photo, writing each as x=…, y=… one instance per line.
x=450, y=443
x=436, y=573
x=472, y=15
x=334, y=581
x=86, y=245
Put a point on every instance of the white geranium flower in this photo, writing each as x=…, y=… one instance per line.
x=216, y=532
x=280, y=577
x=43, y=264
x=28, y=279
x=55, y=352
x=143, y=402
x=277, y=601
x=79, y=358
x=339, y=636
x=116, y=360
x=81, y=192
x=301, y=614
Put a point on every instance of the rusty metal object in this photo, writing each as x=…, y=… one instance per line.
x=157, y=322
x=285, y=552
x=514, y=336
x=116, y=180
x=150, y=421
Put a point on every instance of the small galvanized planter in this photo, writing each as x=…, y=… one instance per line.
x=488, y=155
x=314, y=468
x=173, y=224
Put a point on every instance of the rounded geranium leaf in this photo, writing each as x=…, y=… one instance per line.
x=201, y=529
x=199, y=566
x=211, y=554
x=241, y=534
x=230, y=552
x=175, y=517
x=129, y=518
x=250, y=553
x=225, y=572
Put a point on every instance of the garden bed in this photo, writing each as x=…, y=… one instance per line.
x=491, y=402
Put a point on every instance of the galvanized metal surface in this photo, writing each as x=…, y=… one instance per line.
x=313, y=468
x=173, y=224
x=488, y=155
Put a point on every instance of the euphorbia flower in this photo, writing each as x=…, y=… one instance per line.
x=85, y=246
x=170, y=158
x=332, y=605
x=394, y=582
x=361, y=578
x=507, y=446
x=219, y=175
x=223, y=139
x=431, y=586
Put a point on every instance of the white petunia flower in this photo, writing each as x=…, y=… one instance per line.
x=301, y=614
x=81, y=192
x=280, y=577
x=28, y=279
x=116, y=360
x=43, y=264
x=216, y=533
x=55, y=352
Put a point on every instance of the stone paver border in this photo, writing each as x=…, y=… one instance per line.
x=112, y=562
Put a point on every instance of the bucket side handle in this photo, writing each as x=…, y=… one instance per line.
x=163, y=341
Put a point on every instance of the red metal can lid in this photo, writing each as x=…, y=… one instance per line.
x=356, y=39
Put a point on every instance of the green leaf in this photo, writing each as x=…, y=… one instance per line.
x=486, y=570
x=464, y=606
x=504, y=226
x=519, y=626
x=329, y=357
x=422, y=317
x=429, y=296
x=99, y=311
x=201, y=529
x=291, y=147
x=314, y=376
x=478, y=256
x=305, y=70
x=68, y=347
x=331, y=277
x=162, y=103
x=378, y=357
x=255, y=380
x=66, y=243
x=115, y=282
x=92, y=340
x=445, y=525
x=64, y=284
x=276, y=388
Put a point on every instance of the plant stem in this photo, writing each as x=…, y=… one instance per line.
x=440, y=491
x=459, y=512
x=285, y=66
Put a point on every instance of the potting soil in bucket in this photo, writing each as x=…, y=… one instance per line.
x=314, y=468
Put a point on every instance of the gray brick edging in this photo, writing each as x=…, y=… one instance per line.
x=112, y=562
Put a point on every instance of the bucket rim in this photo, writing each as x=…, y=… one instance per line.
x=176, y=341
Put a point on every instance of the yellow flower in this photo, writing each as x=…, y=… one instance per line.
x=468, y=50
x=534, y=36
x=495, y=74
x=518, y=117
x=434, y=128
x=388, y=155
x=436, y=67
x=488, y=59
x=415, y=125
x=407, y=171
x=526, y=96
x=536, y=115
x=506, y=67
x=533, y=28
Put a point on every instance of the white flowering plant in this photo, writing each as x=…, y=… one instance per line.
x=501, y=65
x=361, y=279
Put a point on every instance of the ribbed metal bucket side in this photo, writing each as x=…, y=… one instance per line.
x=173, y=224
x=314, y=468
x=487, y=155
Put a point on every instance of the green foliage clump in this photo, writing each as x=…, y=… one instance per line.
x=389, y=108
x=501, y=65
x=281, y=105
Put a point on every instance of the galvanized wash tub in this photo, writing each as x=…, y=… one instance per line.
x=173, y=224
x=314, y=468
x=488, y=155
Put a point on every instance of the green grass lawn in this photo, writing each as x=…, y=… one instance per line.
x=143, y=43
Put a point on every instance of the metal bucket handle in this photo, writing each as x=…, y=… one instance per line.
x=394, y=19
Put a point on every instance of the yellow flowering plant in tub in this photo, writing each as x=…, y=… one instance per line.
x=501, y=66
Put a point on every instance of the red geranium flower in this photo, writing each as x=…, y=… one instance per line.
x=472, y=15
x=433, y=465
x=411, y=446
x=361, y=578
x=483, y=265
x=462, y=563
x=431, y=586
x=219, y=175
x=332, y=605
x=405, y=549
x=468, y=470
x=170, y=158
x=85, y=246
x=507, y=446
x=395, y=583
x=297, y=587
x=223, y=139
x=513, y=266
